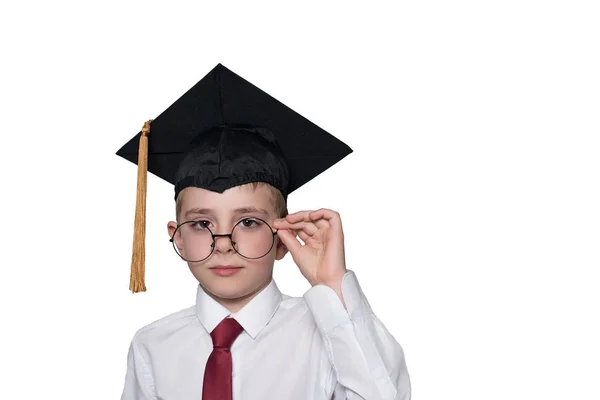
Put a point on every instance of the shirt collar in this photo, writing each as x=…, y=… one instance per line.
x=253, y=317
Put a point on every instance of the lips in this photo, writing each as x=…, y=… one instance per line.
x=225, y=267
x=225, y=270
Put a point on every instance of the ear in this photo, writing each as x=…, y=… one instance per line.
x=281, y=249
x=171, y=226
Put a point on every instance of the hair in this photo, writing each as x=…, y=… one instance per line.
x=277, y=200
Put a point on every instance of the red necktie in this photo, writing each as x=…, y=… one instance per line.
x=217, y=376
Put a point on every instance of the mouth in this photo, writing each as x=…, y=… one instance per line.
x=225, y=267
x=225, y=270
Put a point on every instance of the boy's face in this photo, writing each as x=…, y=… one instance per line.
x=217, y=212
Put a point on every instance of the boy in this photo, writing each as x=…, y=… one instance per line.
x=234, y=154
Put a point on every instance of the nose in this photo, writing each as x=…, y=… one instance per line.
x=223, y=244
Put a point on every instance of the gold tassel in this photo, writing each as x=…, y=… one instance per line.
x=138, y=258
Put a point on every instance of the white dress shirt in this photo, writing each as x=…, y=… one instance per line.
x=292, y=348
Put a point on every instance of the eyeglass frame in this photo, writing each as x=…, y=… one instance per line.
x=227, y=235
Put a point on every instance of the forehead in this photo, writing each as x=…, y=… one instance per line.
x=228, y=201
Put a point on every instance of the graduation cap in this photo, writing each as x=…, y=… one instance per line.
x=221, y=133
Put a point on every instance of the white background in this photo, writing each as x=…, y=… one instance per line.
x=471, y=203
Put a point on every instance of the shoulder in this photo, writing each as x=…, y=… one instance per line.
x=289, y=302
x=325, y=306
x=295, y=308
x=165, y=326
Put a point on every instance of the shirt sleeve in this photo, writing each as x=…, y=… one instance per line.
x=139, y=382
x=367, y=362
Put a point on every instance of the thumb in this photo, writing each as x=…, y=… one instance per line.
x=290, y=241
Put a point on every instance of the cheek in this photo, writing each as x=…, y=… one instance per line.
x=180, y=244
x=262, y=265
x=192, y=245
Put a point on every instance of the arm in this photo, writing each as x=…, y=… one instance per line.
x=367, y=362
x=139, y=382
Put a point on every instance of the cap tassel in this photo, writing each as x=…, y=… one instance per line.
x=136, y=282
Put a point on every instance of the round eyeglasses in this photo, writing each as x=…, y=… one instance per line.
x=251, y=238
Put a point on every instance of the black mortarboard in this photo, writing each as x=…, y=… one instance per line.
x=222, y=133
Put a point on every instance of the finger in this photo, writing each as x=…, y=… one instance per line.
x=303, y=236
x=290, y=241
x=307, y=227
x=322, y=223
x=330, y=216
x=302, y=229
x=298, y=216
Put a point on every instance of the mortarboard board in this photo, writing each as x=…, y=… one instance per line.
x=221, y=133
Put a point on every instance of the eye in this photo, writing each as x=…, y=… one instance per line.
x=249, y=223
x=200, y=225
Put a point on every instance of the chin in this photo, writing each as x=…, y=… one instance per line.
x=227, y=291
x=227, y=288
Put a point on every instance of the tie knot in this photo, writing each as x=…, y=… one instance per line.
x=225, y=333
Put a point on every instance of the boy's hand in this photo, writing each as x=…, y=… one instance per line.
x=321, y=259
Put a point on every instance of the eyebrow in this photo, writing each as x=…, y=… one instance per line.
x=241, y=210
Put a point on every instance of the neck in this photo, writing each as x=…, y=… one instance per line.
x=235, y=305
